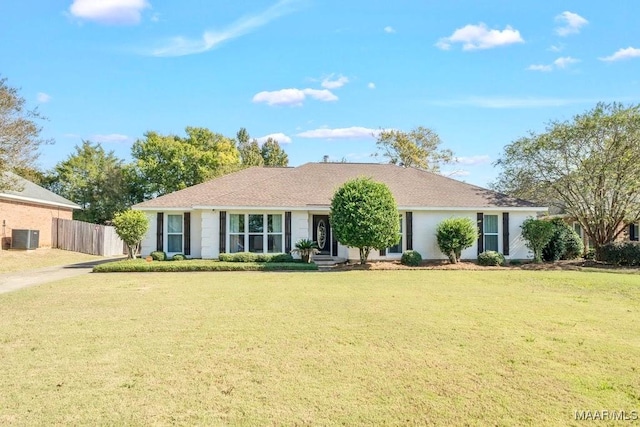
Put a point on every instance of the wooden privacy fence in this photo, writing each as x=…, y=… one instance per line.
x=78, y=236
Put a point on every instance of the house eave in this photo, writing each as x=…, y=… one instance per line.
x=38, y=201
x=327, y=207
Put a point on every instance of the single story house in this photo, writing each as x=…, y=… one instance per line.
x=267, y=210
x=30, y=207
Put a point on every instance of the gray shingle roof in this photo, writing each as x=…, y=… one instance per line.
x=313, y=184
x=27, y=191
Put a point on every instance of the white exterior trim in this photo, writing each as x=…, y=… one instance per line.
x=38, y=201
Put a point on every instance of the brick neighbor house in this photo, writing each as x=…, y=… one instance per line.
x=31, y=207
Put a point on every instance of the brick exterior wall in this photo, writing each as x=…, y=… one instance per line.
x=30, y=216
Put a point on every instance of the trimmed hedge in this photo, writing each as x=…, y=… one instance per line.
x=411, y=258
x=621, y=253
x=491, y=258
x=178, y=257
x=139, y=265
x=158, y=255
x=252, y=257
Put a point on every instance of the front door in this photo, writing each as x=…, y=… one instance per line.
x=322, y=233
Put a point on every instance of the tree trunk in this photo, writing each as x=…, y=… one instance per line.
x=364, y=254
x=132, y=252
x=452, y=258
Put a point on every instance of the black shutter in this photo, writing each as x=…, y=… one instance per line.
x=383, y=252
x=287, y=232
x=480, y=218
x=505, y=233
x=159, y=229
x=187, y=233
x=409, y=227
x=632, y=232
x=223, y=232
x=334, y=244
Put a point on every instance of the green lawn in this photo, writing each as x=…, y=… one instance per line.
x=15, y=260
x=351, y=348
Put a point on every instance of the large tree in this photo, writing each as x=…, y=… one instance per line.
x=95, y=180
x=250, y=154
x=588, y=167
x=419, y=148
x=273, y=154
x=166, y=163
x=19, y=133
x=364, y=215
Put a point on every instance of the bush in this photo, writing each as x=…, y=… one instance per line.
x=131, y=226
x=199, y=265
x=564, y=244
x=411, y=258
x=589, y=255
x=253, y=257
x=621, y=253
x=178, y=257
x=488, y=258
x=454, y=235
x=537, y=234
x=158, y=255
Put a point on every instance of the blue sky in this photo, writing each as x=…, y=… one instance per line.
x=320, y=75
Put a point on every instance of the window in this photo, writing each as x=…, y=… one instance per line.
x=255, y=237
x=397, y=248
x=174, y=233
x=636, y=229
x=236, y=233
x=491, y=233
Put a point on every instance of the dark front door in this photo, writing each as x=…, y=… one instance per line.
x=322, y=233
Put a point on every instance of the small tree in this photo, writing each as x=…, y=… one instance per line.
x=537, y=233
x=364, y=215
x=454, y=235
x=131, y=226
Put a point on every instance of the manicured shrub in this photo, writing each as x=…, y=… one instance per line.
x=537, y=233
x=589, y=255
x=178, y=257
x=200, y=265
x=490, y=258
x=131, y=226
x=306, y=248
x=411, y=258
x=621, y=253
x=454, y=235
x=253, y=257
x=158, y=255
x=564, y=244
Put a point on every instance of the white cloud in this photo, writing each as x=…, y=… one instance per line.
x=280, y=137
x=473, y=37
x=457, y=172
x=389, y=30
x=570, y=23
x=293, y=96
x=112, y=137
x=371, y=85
x=180, y=46
x=540, y=67
x=340, y=81
x=630, y=52
x=43, y=98
x=473, y=160
x=565, y=61
x=341, y=133
x=125, y=12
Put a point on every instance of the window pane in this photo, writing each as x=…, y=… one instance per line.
x=577, y=228
x=274, y=223
x=491, y=223
x=396, y=249
x=174, y=224
x=236, y=223
x=256, y=223
x=255, y=243
x=275, y=243
x=174, y=243
x=236, y=243
x=491, y=243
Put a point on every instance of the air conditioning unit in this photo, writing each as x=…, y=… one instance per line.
x=25, y=239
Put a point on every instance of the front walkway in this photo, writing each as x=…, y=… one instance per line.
x=10, y=282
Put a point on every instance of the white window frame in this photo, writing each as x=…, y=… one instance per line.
x=181, y=233
x=265, y=231
x=496, y=233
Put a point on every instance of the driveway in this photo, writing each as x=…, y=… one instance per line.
x=24, y=279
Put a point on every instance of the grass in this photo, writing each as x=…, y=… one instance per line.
x=15, y=260
x=504, y=347
x=140, y=265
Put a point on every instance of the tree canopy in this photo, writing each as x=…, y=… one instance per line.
x=364, y=215
x=167, y=163
x=131, y=226
x=273, y=154
x=417, y=148
x=19, y=133
x=587, y=167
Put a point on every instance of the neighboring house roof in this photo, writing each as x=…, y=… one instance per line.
x=27, y=192
x=314, y=184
